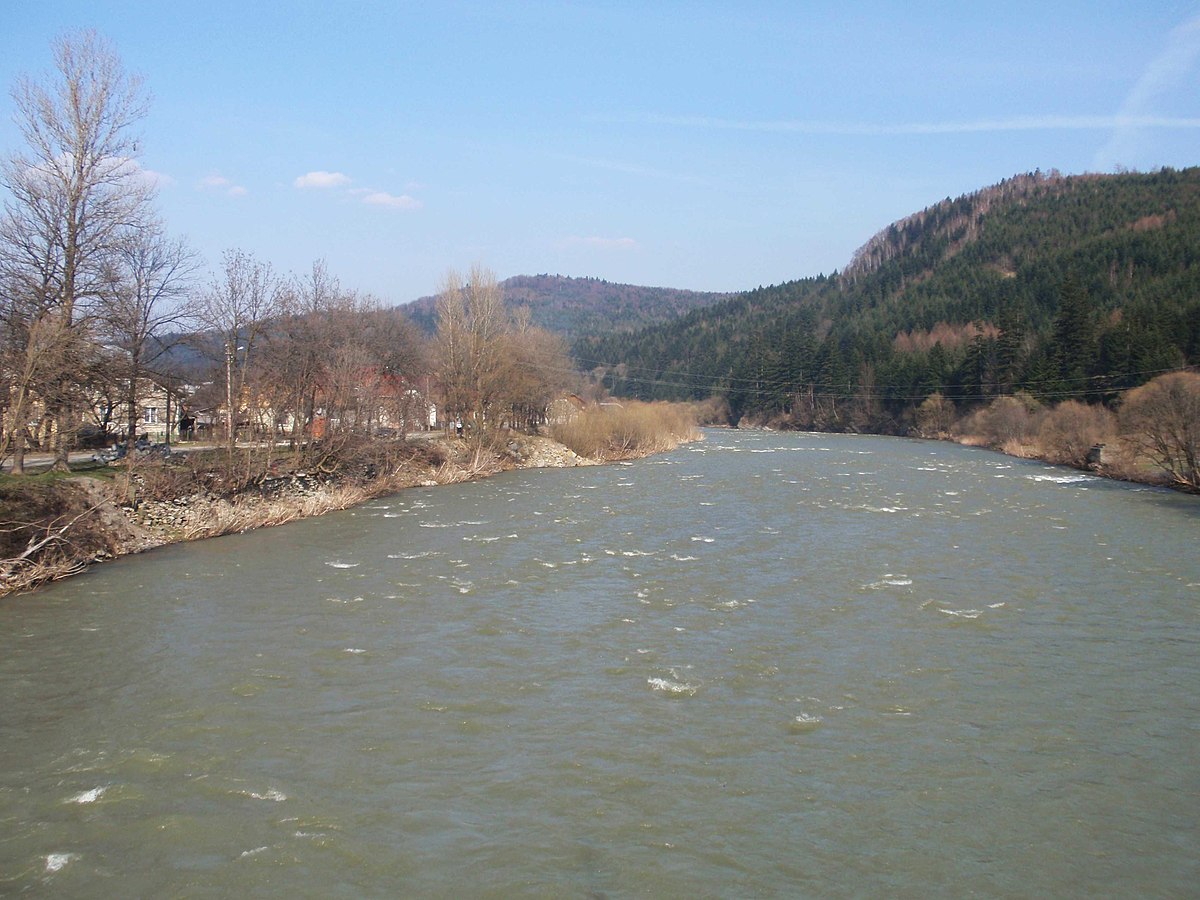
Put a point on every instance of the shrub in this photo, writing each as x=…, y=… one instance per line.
x=934, y=416
x=1007, y=422
x=1070, y=430
x=627, y=430
x=1160, y=421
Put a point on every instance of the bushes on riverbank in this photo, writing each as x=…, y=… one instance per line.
x=1153, y=436
x=628, y=429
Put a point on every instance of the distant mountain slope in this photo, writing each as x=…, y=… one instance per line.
x=964, y=297
x=580, y=306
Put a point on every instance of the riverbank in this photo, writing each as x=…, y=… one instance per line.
x=56, y=527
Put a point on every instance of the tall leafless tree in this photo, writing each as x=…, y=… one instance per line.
x=472, y=325
x=238, y=305
x=148, y=277
x=71, y=193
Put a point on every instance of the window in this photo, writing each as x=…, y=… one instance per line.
x=150, y=415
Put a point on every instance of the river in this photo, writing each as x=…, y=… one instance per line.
x=762, y=665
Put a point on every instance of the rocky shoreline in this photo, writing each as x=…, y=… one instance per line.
x=116, y=528
x=303, y=494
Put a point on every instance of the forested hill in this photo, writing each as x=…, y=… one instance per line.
x=579, y=306
x=1060, y=286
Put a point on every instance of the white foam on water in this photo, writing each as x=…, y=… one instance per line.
x=639, y=552
x=343, y=600
x=997, y=605
x=342, y=565
x=424, y=554
x=676, y=688
x=269, y=794
x=248, y=853
x=354, y=650
x=88, y=796
x=1062, y=479
x=56, y=861
x=701, y=539
x=963, y=613
x=805, y=720
x=890, y=580
x=678, y=558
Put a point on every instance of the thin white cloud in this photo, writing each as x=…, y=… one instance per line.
x=218, y=182
x=602, y=243
x=1164, y=73
x=873, y=129
x=158, y=179
x=383, y=198
x=321, y=179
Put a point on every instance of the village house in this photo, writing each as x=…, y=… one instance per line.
x=564, y=409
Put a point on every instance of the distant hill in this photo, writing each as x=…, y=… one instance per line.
x=581, y=306
x=1060, y=286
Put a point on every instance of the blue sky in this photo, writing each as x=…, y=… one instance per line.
x=712, y=146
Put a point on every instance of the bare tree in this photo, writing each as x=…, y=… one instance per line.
x=1161, y=420
x=71, y=194
x=148, y=279
x=237, y=305
x=537, y=371
x=472, y=325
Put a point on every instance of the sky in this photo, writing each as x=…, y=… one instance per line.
x=710, y=146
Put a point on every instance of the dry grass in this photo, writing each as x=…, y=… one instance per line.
x=219, y=517
x=629, y=430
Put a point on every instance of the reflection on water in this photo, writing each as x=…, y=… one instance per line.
x=764, y=664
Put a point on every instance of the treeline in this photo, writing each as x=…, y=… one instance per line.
x=1060, y=287
x=97, y=302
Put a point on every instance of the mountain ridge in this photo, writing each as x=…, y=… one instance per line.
x=574, y=307
x=991, y=267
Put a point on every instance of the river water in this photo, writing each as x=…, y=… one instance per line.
x=762, y=665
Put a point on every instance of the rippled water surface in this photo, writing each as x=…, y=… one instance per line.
x=764, y=664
